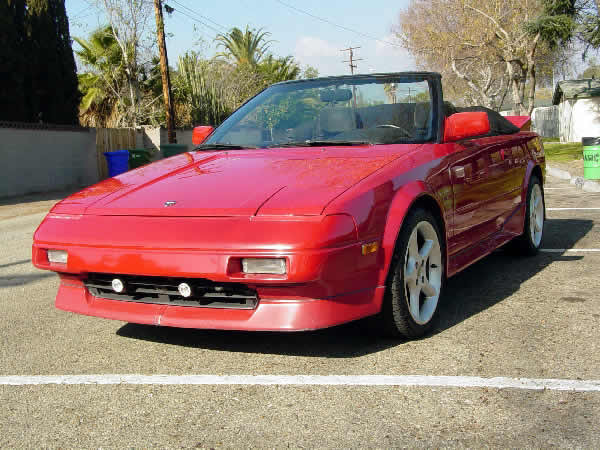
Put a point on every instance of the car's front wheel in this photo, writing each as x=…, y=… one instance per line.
x=416, y=278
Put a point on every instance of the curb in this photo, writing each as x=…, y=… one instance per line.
x=579, y=182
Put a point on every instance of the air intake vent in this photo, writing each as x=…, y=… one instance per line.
x=165, y=291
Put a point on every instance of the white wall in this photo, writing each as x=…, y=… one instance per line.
x=579, y=118
x=44, y=160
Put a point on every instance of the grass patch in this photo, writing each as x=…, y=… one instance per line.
x=548, y=139
x=555, y=151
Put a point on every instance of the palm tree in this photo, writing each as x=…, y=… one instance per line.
x=279, y=69
x=390, y=90
x=246, y=47
x=101, y=85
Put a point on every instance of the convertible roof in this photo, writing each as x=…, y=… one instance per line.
x=367, y=76
x=498, y=124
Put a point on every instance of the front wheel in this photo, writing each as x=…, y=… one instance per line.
x=416, y=278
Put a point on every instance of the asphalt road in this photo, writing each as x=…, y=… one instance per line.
x=503, y=317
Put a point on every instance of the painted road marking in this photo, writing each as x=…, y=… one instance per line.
x=572, y=209
x=575, y=250
x=310, y=380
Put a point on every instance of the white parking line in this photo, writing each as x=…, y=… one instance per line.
x=310, y=380
x=556, y=188
x=572, y=209
x=571, y=250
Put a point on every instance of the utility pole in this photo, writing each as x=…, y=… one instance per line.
x=353, y=66
x=164, y=72
x=351, y=60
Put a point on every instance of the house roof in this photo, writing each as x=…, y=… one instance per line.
x=575, y=89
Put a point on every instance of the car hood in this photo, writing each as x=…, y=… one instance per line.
x=290, y=181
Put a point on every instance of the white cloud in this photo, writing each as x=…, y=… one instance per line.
x=321, y=54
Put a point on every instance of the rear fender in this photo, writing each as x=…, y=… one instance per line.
x=403, y=201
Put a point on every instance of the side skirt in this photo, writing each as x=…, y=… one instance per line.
x=475, y=252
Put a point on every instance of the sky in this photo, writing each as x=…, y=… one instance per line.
x=309, y=39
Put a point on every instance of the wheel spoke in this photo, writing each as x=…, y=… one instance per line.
x=429, y=289
x=536, y=201
x=426, y=249
x=414, y=304
x=413, y=246
x=410, y=273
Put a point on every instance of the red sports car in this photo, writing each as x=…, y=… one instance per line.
x=316, y=203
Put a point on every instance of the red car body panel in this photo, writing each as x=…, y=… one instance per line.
x=315, y=207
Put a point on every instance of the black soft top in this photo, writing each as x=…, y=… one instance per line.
x=498, y=124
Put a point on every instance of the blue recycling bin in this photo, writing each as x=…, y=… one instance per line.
x=118, y=162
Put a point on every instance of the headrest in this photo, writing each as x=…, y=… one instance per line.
x=336, y=95
x=422, y=111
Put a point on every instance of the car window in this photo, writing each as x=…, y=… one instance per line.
x=378, y=111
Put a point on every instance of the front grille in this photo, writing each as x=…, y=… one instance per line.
x=164, y=291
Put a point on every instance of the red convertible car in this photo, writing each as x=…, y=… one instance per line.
x=316, y=203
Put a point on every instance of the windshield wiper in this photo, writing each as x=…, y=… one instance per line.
x=222, y=146
x=316, y=143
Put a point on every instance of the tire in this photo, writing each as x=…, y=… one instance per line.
x=528, y=244
x=416, y=278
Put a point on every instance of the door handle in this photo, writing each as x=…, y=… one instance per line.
x=459, y=171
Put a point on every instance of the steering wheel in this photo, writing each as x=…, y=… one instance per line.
x=396, y=127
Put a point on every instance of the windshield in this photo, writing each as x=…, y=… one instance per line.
x=345, y=111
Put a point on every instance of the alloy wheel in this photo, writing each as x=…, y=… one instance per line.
x=536, y=215
x=423, y=272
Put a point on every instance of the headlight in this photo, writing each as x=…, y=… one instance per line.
x=57, y=256
x=264, y=265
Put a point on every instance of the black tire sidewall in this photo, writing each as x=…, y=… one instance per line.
x=397, y=318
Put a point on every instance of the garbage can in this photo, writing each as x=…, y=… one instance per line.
x=172, y=149
x=118, y=162
x=591, y=157
x=139, y=157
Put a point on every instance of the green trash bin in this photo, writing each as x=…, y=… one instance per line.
x=172, y=149
x=139, y=157
x=591, y=158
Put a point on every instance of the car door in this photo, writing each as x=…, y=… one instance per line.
x=481, y=186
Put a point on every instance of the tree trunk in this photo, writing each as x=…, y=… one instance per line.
x=531, y=75
x=515, y=81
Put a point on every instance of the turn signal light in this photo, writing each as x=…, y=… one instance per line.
x=264, y=265
x=57, y=256
x=371, y=247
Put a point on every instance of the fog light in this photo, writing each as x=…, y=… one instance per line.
x=264, y=265
x=118, y=285
x=184, y=290
x=57, y=256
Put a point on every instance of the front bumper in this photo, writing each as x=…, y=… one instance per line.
x=270, y=314
x=328, y=281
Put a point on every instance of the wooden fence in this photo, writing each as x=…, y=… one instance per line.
x=110, y=139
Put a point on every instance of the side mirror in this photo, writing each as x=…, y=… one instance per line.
x=200, y=134
x=464, y=125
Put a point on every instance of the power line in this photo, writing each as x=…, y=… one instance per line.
x=75, y=16
x=199, y=21
x=337, y=25
x=198, y=14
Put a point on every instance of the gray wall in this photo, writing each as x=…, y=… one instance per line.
x=46, y=159
x=545, y=121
